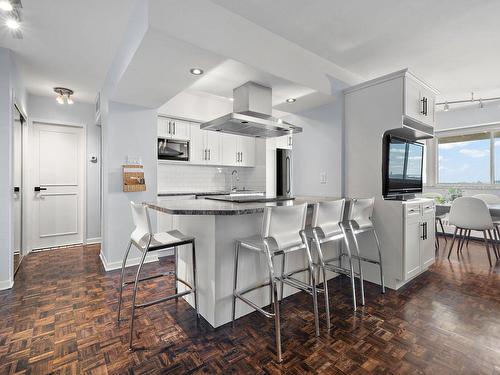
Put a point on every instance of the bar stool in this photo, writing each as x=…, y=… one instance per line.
x=359, y=222
x=145, y=241
x=326, y=227
x=282, y=233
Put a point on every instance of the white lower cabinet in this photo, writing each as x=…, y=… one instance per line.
x=166, y=222
x=419, y=237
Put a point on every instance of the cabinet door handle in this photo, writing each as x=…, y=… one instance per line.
x=174, y=126
x=241, y=157
x=205, y=154
x=169, y=127
x=423, y=106
x=209, y=156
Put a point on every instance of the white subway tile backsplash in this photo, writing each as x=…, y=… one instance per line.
x=192, y=178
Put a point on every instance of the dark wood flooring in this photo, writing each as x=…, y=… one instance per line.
x=60, y=318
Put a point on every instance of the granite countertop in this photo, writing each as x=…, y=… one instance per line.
x=212, y=207
x=201, y=193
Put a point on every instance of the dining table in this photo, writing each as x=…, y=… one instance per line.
x=444, y=208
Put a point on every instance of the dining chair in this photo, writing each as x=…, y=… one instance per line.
x=490, y=199
x=470, y=213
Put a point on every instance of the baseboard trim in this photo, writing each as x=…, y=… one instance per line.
x=6, y=284
x=92, y=241
x=111, y=266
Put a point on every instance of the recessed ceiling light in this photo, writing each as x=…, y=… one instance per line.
x=12, y=23
x=6, y=6
x=291, y=100
x=196, y=71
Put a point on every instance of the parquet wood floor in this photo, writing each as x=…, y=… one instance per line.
x=60, y=318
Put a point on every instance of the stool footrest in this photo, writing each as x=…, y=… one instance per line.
x=300, y=285
x=169, y=273
x=366, y=259
x=252, y=288
x=251, y=304
x=164, y=299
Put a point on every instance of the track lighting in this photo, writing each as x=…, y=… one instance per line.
x=481, y=105
x=446, y=107
x=480, y=101
x=63, y=95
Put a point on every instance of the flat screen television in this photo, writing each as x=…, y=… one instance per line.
x=402, y=167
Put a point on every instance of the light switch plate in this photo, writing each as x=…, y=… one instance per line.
x=322, y=178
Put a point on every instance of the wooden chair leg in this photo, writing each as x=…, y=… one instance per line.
x=487, y=247
x=452, y=242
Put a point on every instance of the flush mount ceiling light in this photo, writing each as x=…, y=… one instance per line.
x=13, y=19
x=291, y=100
x=63, y=95
x=196, y=71
x=6, y=6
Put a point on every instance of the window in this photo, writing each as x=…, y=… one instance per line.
x=465, y=159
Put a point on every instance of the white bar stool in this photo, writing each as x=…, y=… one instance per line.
x=326, y=227
x=282, y=233
x=360, y=221
x=145, y=241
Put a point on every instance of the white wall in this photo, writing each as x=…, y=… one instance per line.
x=47, y=109
x=11, y=90
x=129, y=131
x=318, y=149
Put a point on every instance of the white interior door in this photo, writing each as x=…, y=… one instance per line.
x=57, y=185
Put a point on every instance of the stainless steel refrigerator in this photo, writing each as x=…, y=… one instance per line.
x=283, y=172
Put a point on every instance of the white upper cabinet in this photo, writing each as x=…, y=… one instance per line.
x=419, y=101
x=173, y=128
x=205, y=146
x=238, y=150
x=285, y=142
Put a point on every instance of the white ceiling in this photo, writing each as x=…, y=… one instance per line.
x=222, y=79
x=68, y=43
x=452, y=44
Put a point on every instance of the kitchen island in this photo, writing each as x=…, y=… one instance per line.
x=216, y=225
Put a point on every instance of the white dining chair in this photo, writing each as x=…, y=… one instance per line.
x=490, y=199
x=470, y=213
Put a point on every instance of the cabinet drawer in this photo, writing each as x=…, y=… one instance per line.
x=413, y=210
x=427, y=208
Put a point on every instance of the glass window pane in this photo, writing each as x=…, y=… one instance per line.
x=497, y=157
x=464, y=159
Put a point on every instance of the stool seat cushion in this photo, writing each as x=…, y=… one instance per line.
x=256, y=243
x=163, y=240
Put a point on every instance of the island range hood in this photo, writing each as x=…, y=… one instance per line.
x=251, y=115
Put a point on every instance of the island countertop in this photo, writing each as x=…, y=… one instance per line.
x=211, y=207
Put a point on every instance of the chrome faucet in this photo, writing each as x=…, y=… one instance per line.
x=233, y=185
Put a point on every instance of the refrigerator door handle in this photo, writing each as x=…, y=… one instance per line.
x=287, y=161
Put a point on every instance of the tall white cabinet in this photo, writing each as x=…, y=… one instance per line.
x=403, y=103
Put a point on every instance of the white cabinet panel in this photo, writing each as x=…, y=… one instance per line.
x=180, y=129
x=412, y=248
x=427, y=246
x=213, y=146
x=285, y=142
x=229, y=148
x=419, y=101
x=246, y=147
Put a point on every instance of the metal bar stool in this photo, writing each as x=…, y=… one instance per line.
x=145, y=241
x=326, y=227
x=282, y=233
x=359, y=222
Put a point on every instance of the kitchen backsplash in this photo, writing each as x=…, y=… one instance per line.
x=192, y=178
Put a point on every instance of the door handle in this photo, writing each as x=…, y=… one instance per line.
x=209, y=156
x=288, y=175
x=173, y=125
x=205, y=154
x=241, y=157
x=38, y=188
x=169, y=127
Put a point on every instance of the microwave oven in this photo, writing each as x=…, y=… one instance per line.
x=172, y=149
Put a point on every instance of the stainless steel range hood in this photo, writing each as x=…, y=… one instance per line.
x=251, y=115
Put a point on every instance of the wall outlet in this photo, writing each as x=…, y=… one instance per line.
x=322, y=178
